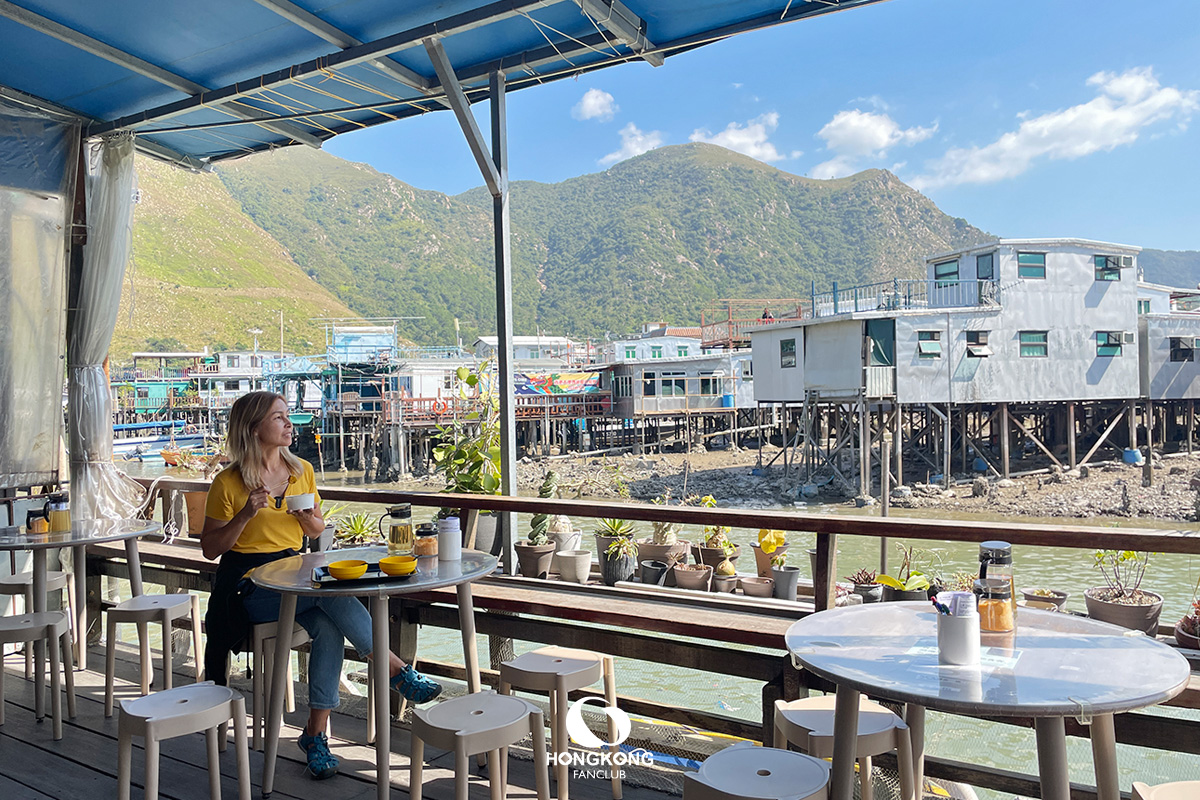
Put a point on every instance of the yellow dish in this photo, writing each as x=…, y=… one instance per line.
x=398, y=565
x=347, y=570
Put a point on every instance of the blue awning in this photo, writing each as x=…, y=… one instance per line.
x=202, y=82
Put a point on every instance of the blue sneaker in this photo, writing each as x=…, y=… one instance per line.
x=414, y=686
x=322, y=764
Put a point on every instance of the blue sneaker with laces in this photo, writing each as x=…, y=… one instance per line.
x=414, y=686
x=322, y=764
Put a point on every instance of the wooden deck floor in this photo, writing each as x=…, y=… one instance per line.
x=84, y=763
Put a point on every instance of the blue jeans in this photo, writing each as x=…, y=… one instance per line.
x=329, y=621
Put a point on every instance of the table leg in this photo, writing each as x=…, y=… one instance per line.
x=39, y=647
x=382, y=697
x=845, y=743
x=914, y=717
x=1104, y=755
x=81, y=620
x=1052, y=758
x=283, y=652
x=466, y=623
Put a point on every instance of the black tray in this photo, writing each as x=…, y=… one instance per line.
x=321, y=575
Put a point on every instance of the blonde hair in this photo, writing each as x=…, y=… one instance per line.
x=246, y=453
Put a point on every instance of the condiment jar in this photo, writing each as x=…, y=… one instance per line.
x=996, y=561
x=400, y=530
x=995, y=605
x=427, y=540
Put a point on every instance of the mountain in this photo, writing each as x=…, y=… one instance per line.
x=202, y=273
x=1179, y=268
x=657, y=237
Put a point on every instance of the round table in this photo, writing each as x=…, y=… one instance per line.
x=293, y=576
x=1054, y=666
x=79, y=536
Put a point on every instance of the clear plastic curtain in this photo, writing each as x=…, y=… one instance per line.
x=98, y=488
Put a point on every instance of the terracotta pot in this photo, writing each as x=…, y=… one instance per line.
x=724, y=583
x=693, y=578
x=1186, y=639
x=533, y=560
x=712, y=556
x=1136, y=618
x=786, y=579
x=763, y=560
x=757, y=587
x=669, y=554
x=574, y=566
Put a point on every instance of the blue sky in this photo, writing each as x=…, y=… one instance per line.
x=1063, y=118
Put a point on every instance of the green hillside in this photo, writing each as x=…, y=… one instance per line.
x=1179, y=268
x=656, y=237
x=202, y=274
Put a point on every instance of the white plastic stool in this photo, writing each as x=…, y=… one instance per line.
x=808, y=724
x=145, y=608
x=179, y=712
x=1180, y=790
x=483, y=722
x=559, y=671
x=747, y=772
x=21, y=585
x=53, y=627
x=262, y=651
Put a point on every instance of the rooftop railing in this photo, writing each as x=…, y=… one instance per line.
x=897, y=295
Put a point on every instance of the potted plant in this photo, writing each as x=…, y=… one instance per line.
x=664, y=544
x=608, y=529
x=786, y=577
x=865, y=585
x=1187, y=630
x=754, y=586
x=1054, y=597
x=770, y=543
x=468, y=455
x=355, y=530
x=911, y=582
x=715, y=545
x=693, y=576
x=619, y=560
x=1122, y=601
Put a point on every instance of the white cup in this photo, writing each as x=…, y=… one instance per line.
x=449, y=539
x=300, y=502
x=958, y=639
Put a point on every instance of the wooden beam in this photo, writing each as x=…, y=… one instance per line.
x=1021, y=427
x=1104, y=436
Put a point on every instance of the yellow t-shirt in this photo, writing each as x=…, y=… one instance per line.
x=272, y=529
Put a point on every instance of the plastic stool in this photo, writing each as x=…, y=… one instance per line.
x=559, y=671
x=262, y=651
x=808, y=724
x=21, y=585
x=145, y=608
x=747, y=772
x=53, y=627
x=483, y=722
x=179, y=712
x=1180, y=790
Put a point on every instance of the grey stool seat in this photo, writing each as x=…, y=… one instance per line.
x=1179, y=790
x=483, y=722
x=746, y=772
x=143, y=609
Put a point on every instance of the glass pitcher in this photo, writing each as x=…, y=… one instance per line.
x=996, y=561
x=400, y=531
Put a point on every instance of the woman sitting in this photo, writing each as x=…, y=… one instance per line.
x=247, y=524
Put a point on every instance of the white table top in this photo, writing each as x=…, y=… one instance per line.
x=1054, y=665
x=294, y=574
x=82, y=532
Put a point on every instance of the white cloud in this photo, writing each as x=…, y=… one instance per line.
x=595, y=104
x=633, y=143
x=750, y=139
x=1125, y=104
x=855, y=136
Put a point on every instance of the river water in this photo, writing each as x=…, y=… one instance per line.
x=1173, y=576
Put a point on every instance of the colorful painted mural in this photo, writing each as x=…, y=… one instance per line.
x=526, y=383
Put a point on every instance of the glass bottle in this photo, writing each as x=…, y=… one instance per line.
x=400, y=530
x=995, y=605
x=59, y=512
x=996, y=561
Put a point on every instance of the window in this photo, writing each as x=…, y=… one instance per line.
x=1031, y=265
x=143, y=394
x=631, y=352
x=255, y=361
x=787, y=353
x=977, y=344
x=232, y=386
x=1143, y=306
x=1108, y=268
x=929, y=344
x=682, y=350
x=649, y=385
x=945, y=274
x=623, y=386
x=710, y=384
x=1034, y=344
x=231, y=361
x=1108, y=343
x=985, y=267
x=1183, y=349
x=674, y=384
x=656, y=351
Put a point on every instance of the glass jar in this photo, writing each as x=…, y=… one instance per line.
x=59, y=512
x=400, y=530
x=427, y=540
x=996, y=561
x=995, y=605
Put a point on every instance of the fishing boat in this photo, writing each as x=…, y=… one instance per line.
x=140, y=441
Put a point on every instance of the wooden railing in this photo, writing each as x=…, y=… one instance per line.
x=642, y=624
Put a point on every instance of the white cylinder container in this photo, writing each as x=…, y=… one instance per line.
x=958, y=639
x=449, y=539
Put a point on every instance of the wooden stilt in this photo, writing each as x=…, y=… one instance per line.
x=1071, y=434
x=1005, y=461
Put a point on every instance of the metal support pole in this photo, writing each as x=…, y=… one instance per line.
x=1071, y=455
